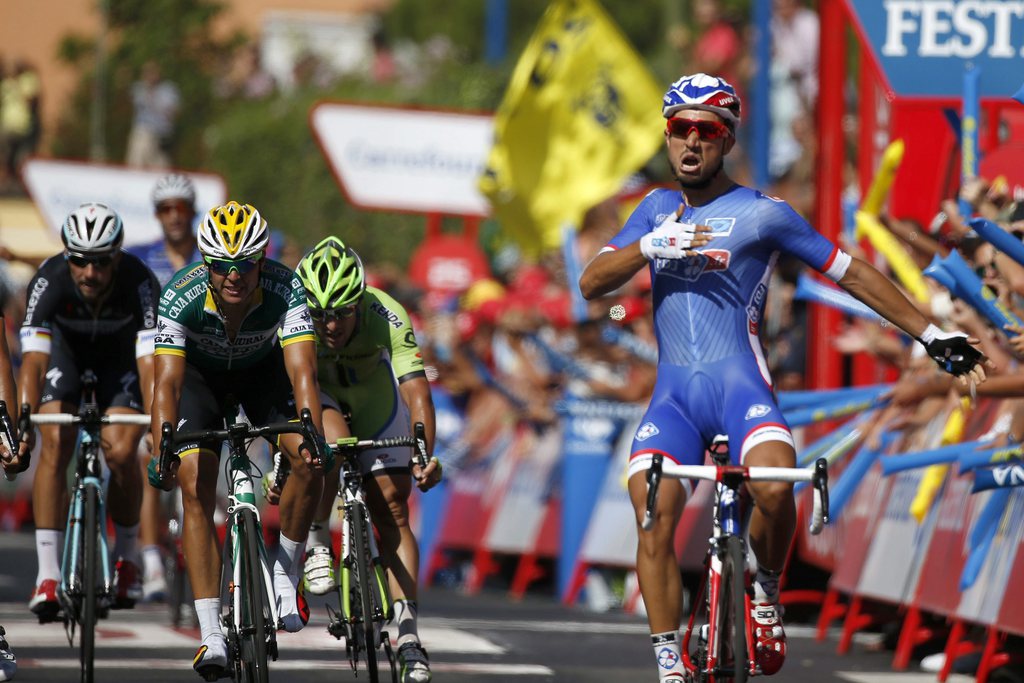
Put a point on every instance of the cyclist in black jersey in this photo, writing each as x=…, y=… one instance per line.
x=91, y=307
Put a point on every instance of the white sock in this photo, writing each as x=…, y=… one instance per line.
x=766, y=586
x=319, y=534
x=668, y=656
x=208, y=612
x=49, y=548
x=405, y=618
x=286, y=575
x=288, y=554
x=152, y=561
x=126, y=540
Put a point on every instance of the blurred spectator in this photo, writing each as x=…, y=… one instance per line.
x=794, y=79
x=718, y=47
x=795, y=31
x=19, y=119
x=247, y=78
x=156, y=102
x=383, y=68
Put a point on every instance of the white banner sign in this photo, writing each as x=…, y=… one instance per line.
x=406, y=159
x=58, y=186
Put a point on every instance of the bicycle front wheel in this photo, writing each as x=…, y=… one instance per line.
x=252, y=627
x=90, y=557
x=732, y=607
x=366, y=582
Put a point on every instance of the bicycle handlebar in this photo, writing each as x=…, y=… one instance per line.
x=418, y=442
x=13, y=439
x=239, y=430
x=817, y=476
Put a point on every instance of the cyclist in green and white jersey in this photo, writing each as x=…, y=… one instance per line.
x=370, y=366
x=236, y=326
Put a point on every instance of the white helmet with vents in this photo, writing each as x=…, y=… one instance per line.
x=174, y=186
x=92, y=230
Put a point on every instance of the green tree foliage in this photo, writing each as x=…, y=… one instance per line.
x=265, y=149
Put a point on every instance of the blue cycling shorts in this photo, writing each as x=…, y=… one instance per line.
x=693, y=404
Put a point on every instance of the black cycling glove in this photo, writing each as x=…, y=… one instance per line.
x=950, y=350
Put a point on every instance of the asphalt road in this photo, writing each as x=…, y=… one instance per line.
x=485, y=637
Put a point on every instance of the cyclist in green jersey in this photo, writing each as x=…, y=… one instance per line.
x=370, y=365
x=235, y=326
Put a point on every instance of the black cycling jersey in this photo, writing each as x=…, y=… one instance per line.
x=126, y=316
x=76, y=336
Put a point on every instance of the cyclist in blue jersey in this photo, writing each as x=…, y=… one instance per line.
x=174, y=200
x=711, y=249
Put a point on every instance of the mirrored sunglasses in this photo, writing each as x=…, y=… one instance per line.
x=706, y=130
x=225, y=266
x=323, y=315
x=81, y=261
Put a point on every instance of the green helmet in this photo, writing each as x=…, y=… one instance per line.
x=332, y=275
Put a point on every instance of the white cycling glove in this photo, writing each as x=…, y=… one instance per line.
x=671, y=239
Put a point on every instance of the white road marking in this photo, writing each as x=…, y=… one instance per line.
x=286, y=665
x=892, y=677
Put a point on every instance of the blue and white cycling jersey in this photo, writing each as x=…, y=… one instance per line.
x=708, y=307
x=155, y=256
x=712, y=374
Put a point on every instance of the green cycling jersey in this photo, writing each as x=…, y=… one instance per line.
x=190, y=325
x=381, y=352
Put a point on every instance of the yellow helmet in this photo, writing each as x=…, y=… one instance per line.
x=233, y=231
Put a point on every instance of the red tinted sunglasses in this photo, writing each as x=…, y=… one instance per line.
x=706, y=130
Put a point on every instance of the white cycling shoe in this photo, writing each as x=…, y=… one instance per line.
x=318, y=571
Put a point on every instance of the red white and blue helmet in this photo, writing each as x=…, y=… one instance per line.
x=700, y=91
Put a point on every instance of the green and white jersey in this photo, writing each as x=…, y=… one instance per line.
x=190, y=325
x=381, y=353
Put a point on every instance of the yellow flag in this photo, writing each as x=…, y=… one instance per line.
x=581, y=113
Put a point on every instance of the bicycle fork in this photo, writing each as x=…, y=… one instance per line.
x=382, y=594
x=243, y=496
x=71, y=584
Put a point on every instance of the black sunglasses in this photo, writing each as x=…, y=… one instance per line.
x=81, y=261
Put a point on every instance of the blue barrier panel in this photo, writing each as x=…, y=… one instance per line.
x=586, y=455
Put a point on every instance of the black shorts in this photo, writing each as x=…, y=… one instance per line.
x=208, y=397
x=117, y=376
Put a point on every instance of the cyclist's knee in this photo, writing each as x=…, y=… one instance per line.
x=772, y=496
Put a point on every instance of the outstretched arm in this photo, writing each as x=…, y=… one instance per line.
x=949, y=350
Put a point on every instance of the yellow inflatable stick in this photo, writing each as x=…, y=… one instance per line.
x=884, y=177
x=934, y=476
x=899, y=260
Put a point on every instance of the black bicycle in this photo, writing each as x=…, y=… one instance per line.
x=252, y=620
x=363, y=595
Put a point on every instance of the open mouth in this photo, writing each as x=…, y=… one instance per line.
x=689, y=163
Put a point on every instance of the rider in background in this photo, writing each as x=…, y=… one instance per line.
x=91, y=307
x=235, y=326
x=370, y=363
x=174, y=199
x=13, y=464
x=711, y=249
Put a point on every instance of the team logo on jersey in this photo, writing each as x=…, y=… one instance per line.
x=646, y=431
x=189, y=276
x=692, y=267
x=720, y=227
x=757, y=410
